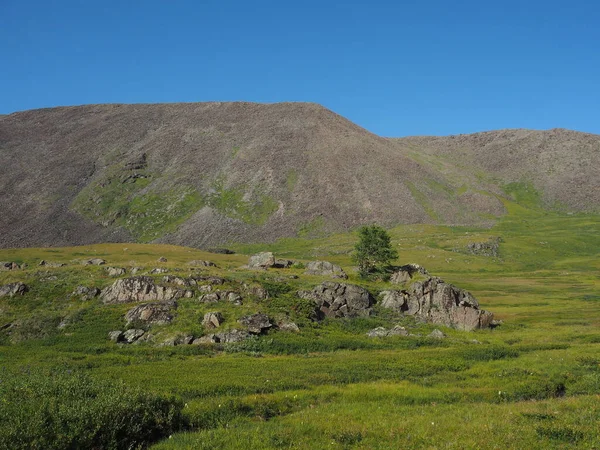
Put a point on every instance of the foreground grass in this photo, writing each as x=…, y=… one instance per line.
x=532, y=382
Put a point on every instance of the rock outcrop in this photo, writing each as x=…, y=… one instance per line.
x=152, y=313
x=212, y=320
x=438, y=302
x=262, y=260
x=487, y=248
x=115, y=271
x=222, y=296
x=326, y=269
x=406, y=273
x=8, y=265
x=139, y=289
x=94, y=262
x=256, y=323
x=13, y=289
x=339, y=300
x=201, y=263
x=383, y=332
x=86, y=293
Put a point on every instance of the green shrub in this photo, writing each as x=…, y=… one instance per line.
x=67, y=411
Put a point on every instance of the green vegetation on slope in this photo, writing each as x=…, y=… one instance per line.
x=532, y=382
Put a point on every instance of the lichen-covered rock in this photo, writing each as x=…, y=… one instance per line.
x=339, y=300
x=207, y=339
x=13, y=289
x=201, y=263
x=232, y=336
x=115, y=271
x=222, y=296
x=326, y=269
x=287, y=325
x=487, y=248
x=139, y=289
x=158, y=270
x=94, y=262
x=256, y=323
x=436, y=334
x=383, y=332
x=262, y=260
x=406, y=273
x=116, y=336
x=152, y=313
x=8, y=265
x=130, y=336
x=212, y=319
x=162, y=259
x=435, y=301
x=86, y=293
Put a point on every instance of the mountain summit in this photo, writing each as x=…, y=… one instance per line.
x=204, y=174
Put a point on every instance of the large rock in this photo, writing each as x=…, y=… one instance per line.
x=152, y=313
x=222, y=296
x=94, y=262
x=44, y=263
x=139, y=289
x=130, y=336
x=339, y=300
x=326, y=269
x=115, y=271
x=8, y=265
x=406, y=273
x=383, y=332
x=488, y=248
x=262, y=260
x=435, y=301
x=212, y=319
x=232, y=336
x=86, y=293
x=201, y=263
x=13, y=289
x=256, y=323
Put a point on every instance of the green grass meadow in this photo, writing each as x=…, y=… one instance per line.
x=532, y=382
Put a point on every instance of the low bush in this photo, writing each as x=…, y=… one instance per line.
x=66, y=411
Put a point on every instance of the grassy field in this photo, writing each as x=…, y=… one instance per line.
x=533, y=382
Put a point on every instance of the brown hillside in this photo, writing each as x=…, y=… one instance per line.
x=204, y=174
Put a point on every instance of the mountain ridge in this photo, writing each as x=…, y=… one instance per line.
x=204, y=174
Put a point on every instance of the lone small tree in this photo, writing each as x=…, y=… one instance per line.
x=373, y=252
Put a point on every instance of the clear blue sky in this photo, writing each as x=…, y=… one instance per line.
x=395, y=67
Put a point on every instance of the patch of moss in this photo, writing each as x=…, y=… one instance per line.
x=231, y=203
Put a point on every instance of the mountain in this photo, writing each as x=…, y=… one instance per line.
x=205, y=174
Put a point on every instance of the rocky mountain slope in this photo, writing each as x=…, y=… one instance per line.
x=203, y=174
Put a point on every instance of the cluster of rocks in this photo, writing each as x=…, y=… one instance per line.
x=44, y=263
x=85, y=293
x=222, y=296
x=339, y=300
x=93, y=262
x=12, y=289
x=158, y=313
x=266, y=260
x=201, y=263
x=487, y=248
x=406, y=273
x=436, y=301
x=10, y=265
x=126, y=337
x=381, y=332
x=325, y=269
x=140, y=289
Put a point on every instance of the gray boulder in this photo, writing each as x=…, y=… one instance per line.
x=8, y=265
x=162, y=259
x=287, y=325
x=116, y=336
x=383, y=332
x=139, y=289
x=44, y=263
x=130, y=336
x=339, y=300
x=436, y=334
x=201, y=263
x=222, y=296
x=262, y=260
x=152, y=313
x=212, y=320
x=207, y=339
x=283, y=263
x=115, y=271
x=487, y=248
x=13, y=289
x=326, y=269
x=256, y=323
x=406, y=273
x=232, y=336
x=94, y=262
x=435, y=301
x=158, y=270
x=86, y=293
